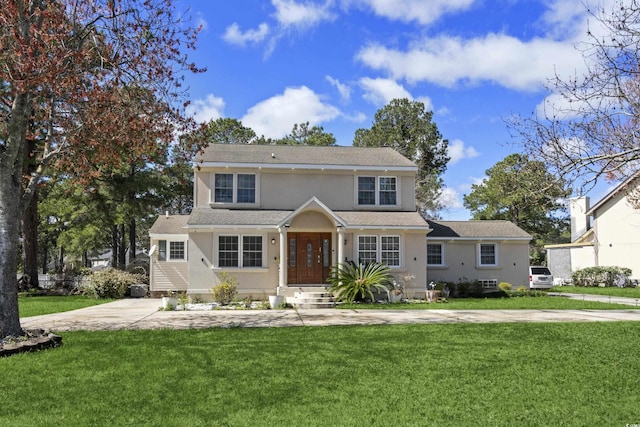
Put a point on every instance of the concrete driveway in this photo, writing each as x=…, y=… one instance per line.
x=145, y=314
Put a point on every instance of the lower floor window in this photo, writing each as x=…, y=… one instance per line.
x=488, y=283
x=384, y=249
x=240, y=251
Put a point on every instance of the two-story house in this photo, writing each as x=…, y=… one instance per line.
x=278, y=217
x=606, y=233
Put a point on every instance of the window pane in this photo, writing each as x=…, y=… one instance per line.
x=390, y=250
x=387, y=190
x=252, y=251
x=223, y=192
x=246, y=188
x=367, y=249
x=228, y=251
x=366, y=190
x=487, y=254
x=176, y=250
x=162, y=250
x=434, y=254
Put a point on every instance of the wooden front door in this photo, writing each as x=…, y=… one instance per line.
x=309, y=258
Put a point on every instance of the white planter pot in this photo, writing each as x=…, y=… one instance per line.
x=276, y=301
x=169, y=303
x=395, y=297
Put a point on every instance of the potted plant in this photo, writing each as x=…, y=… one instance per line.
x=170, y=300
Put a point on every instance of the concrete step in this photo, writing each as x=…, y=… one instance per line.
x=308, y=300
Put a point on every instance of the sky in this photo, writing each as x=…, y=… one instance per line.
x=334, y=63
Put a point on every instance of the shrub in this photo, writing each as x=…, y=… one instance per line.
x=111, y=283
x=225, y=291
x=350, y=282
x=505, y=286
x=605, y=276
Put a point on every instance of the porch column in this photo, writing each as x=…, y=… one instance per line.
x=340, y=243
x=282, y=270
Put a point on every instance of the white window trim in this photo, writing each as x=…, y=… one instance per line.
x=216, y=253
x=479, y=257
x=377, y=191
x=168, y=250
x=212, y=192
x=443, y=254
x=379, y=237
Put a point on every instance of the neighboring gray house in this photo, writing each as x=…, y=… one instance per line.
x=487, y=251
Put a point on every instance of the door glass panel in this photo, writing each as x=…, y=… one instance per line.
x=292, y=252
x=325, y=252
x=309, y=255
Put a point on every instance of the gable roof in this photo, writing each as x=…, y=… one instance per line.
x=304, y=157
x=620, y=187
x=477, y=229
x=170, y=224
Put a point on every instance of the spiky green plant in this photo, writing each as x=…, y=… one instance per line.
x=350, y=282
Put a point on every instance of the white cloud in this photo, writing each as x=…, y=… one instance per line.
x=343, y=89
x=235, y=36
x=424, y=12
x=203, y=110
x=496, y=58
x=291, y=14
x=457, y=151
x=450, y=199
x=380, y=91
x=274, y=117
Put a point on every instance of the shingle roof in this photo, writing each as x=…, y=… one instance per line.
x=304, y=155
x=173, y=224
x=477, y=229
x=271, y=218
x=383, y=219
x=223, y=217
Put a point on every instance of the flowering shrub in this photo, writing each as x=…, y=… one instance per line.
x=225, y=292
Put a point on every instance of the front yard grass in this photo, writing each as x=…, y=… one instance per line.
x=38, y=305
x=513, y=303
x=457, y=374
x=612, y=291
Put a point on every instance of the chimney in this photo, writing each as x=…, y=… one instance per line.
x=578, y=208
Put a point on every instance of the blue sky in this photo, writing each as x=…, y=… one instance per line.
x=273, y=63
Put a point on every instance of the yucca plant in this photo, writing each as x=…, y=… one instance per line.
x=350, y=281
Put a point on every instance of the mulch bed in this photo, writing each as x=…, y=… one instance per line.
x=32, y=340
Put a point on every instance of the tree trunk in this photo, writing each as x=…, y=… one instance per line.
x=45, y=257
x=132, y=240
x=30, y=242
x=11, y=161
x=122, y=251
x=114, y=246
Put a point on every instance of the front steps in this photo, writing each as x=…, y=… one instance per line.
x=306, y=300
x=311, y=296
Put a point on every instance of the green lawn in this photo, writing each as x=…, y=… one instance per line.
x=571, y=374
x=616, y=292
x=514, y=303
x=35, y=306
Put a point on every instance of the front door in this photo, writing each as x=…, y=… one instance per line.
x=309, y=258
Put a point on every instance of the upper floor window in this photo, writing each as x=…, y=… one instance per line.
x=384, y=249
x=382, y=190
x=234, y=188
x=487, y=254
x=435, y=253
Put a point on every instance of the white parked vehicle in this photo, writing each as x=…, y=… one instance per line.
x=540, y=277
